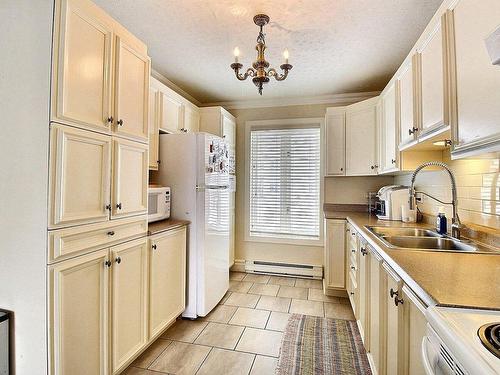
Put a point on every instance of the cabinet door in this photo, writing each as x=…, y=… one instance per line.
x=376, y=350
x=415, y=325
x=82, y=66
x=171, y=116
x=477, y=127
x=361, y=140
x=167, y=279
x=335, y=257
x=131, y=91
x=335, y=142
x=191, y=119
x=388, y=130
x=407, y=120
x=78, y=315
x=364, y=294
x=130, y=178
x=432, y=80
x=128, y=301
x=393, y=322
x=80, y=163
x=154, y=135
x=229, y=130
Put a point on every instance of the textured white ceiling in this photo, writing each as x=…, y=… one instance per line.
x=336, y=46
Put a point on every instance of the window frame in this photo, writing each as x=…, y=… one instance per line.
x=317, y=122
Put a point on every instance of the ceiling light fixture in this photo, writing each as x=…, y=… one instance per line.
x=258, y=72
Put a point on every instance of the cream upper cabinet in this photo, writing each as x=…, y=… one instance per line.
x=388, y=132
x=335, y=141
x=394, y=355
x=154, y=135
x=131, y=91
x=167, y=282
x=82, y=66
x=191, y=119
x=361, y=138
x=406, y=119
x=78, y=315
x=128, y=301
x=431, y=59
x=80, y=164
x=130, y=178
x=335, y=254
x=477, y=125
x=94, y=88
x=218, y=121
x=170, y=113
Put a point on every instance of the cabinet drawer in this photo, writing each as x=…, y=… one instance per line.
x=67, y=243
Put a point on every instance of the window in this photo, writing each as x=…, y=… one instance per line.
x=284, y=182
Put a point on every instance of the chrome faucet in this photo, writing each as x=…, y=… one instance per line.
x=456, y=226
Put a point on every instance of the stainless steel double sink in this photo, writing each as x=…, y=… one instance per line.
x=420, y=239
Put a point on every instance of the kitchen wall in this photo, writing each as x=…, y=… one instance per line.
x=336, y=189
x=478, y=190
x=26, y=31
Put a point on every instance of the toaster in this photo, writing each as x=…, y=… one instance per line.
x=391, y=198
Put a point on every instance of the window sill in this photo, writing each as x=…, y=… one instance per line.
x=285, y=240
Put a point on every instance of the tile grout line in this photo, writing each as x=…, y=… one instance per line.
x=159, y=355
x=204, y=360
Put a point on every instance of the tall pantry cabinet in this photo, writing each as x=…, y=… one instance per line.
x=98, y=288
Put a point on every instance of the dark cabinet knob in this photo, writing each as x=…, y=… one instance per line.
x=154, y=247
x=412, y=130
x=118, y=260
x=393, y=293
x=120, y=122
x=107, y=263
x=111, y=233
x=398, y=301
x=351, y=293
x=108, y=207
x=341, y=169
x=353, y=250
x=364, y=251
x=119, y=206
x=372, y=167
x=393, y=161
x=110, y=119
x=353, y=268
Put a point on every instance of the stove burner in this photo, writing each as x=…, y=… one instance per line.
x=490, y=337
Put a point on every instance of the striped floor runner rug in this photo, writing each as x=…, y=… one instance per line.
x=319, y=346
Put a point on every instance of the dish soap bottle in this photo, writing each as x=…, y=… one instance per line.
x=441, y=225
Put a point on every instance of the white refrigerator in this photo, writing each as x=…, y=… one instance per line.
x=195, y=166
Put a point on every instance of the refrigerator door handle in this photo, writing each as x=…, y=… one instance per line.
x=211, y=187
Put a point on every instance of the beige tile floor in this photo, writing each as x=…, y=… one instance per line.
x=242, y=335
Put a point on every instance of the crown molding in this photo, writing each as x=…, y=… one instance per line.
x=160, y=77
x=337, y=99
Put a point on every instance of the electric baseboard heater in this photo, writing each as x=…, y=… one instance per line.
x=4, y=342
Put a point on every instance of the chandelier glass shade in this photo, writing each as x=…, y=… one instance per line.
x=260, y=71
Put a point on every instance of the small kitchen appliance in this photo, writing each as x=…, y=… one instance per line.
x=196, y=167
x=158, y=203
x=391, y=198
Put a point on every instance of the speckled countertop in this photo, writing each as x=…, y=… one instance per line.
x=442, y=278
x=164, y=225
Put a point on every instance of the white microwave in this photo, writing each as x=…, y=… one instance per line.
x=158, y=203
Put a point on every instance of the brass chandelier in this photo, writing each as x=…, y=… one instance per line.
x=258, y=71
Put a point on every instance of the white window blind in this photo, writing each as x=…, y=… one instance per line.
x=285, y=183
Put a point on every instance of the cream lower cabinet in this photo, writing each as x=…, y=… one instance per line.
x=79, y=315
x=335, y=254
x=392, y=303
x=364, y=303
x=167, y=282
x=129, y=301
x=375, y=349
x=130, y=176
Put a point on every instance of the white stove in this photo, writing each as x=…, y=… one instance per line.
x=453, y=344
